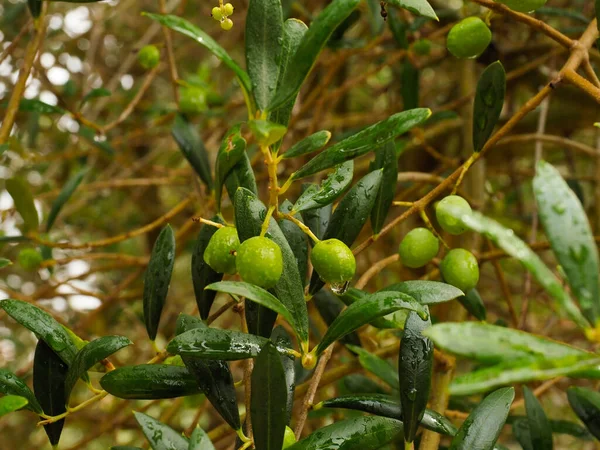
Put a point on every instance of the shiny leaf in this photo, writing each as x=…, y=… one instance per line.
x=297, y=239
x=199, y=440
x=192, y=148
x=317, y=220
x=10, y=403
x=241, y=175
x=386, y=159
x=540, y=432
x=586, y=404
x=12, y=385
x=328, y=191
x=308, y=145
x=160, y=436
x=282, y=339
x=94, y=93
x=473, y=303
x=487, y=106
x=377, y=366
x=265, y=132
x=232, y=150
x=418, y=7
x=426, y=292
x=5, y=263
x=330, y=307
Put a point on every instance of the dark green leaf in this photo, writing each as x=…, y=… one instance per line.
x=94, y=93
x=10, y=403
x=23, y=200
x=386, y=159
x=310, y=46
x=360, y=384
x=184, y=27
x=38, y=106
x=473, y=303
x=297, y=239
x=64, y=196
x=308, y=145
x=10, y=384
x=568, y=229
x=521, y=371
x=282, y=339
x=264, y=35
x=213, y=343
x=419, y=7
x=268, y=405
x=241, y=175
x=329, y=308
x=352, y=295
x=202, y=273
x=426, y=292
x=249, y=216
x=505, y=238
x=43, y=325
x=586, y=404
x=317, y=220
x=540, y=431
x=365, y=310
x=293, y=31
x=192, y=147
x=364, y=141
x=89, y=355
x=5, y=262
x=520, y=429
x=377, y=366
x=257, y=295
x=415, y=365
x=160, y=436
x=49, y=373
x=483, y=426
x=199, y=440
x=232, y=150
x=350, y=216
x=365, y=433
x=409, y=85
x=265, y=132
x=149, y=382
x=35, y=7
x=387, y=406
x=157, y=279
x=330, y=189
x=487, y=106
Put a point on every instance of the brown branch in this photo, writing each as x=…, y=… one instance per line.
x=583, y=84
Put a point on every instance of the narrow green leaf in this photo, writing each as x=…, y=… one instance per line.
x=264, y=35
x=418, y=7
x=329, y=308
x=149, y=382
x=310, y=47
x=568, y=229
x=387, y=406
x=249, y=216
x=265, y=132
x=23, y=200
x=484, y=424
x=268, y=406
x=202, y=273
x=293, y=32
x=38, y=106
x=365, y=310
x=49, y=373
x=157, y=279
x=12, y=385
x=232, y=150
x=308, y=145
x=257, y=295
x=199, y=440
x=297, y=239
x=43, y=325
x=241, y=175
x=5, y=262
x=415, y=365
x=317, y=220
x=282, y=339
x=192, y=147
x=377, y=366
x=540, y=431
x=94, y=93
x=160, y=436
x=515, y=247
x=213, y=343
x=184, y=27
x=364, y=141
x=586, y=404
x=352, y=295
x=64, y=196
x=487, y=106
x=212, y=376
x=365, y=433
x=89, y=355
x=10, y=403
x=426, y=292
x=410, y=85
x=473, y=303
x=357, y=383
x=328, y=191
x=386, y=159
x=35, y=7
x=521, y=371
x=350, y=216
x=97, y=140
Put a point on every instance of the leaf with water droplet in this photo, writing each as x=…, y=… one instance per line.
x=12, y=385
x=191, y=146
x=387, y=160
x=330, y=189
x=231, y=151
x=308, y=145
x=160, y=435
x=418, y=7
x=488, y=103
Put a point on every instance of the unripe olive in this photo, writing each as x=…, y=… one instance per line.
x=422, y=47
x=418, y=247
x=333, y=261
x=289, y=438
x=221, y=250
x=469, y=38
x=192, y=99
x=448, y=212
x=29, y=259
x=149, y=56
x=259, y=261
x=460, y=269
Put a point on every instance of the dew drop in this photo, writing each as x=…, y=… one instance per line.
x=340, y=289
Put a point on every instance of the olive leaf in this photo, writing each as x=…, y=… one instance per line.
x=330, y=307
x=12, y=385
x=64, y=196
x=487, y=106
x=199, y=440
x=192, y=148
x=381, y=368
x=329, y=190
x=10, y=403
x=386, y=159
x=308, y=145
x=231, y=151
x=160, y=436
x=419, y=7
x=540, y=432
x=586, y=404
x=23, y=200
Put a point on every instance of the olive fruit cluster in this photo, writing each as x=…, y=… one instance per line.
x=459, y=267
x=221, y=14
x=257, y=260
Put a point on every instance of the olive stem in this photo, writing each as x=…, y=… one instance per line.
x=408, y=204
x=94, y=399
x=265, y=225
x=466, y=166
x=303, y=227
x=208, y=222
x=429, y=225
x=283, y=189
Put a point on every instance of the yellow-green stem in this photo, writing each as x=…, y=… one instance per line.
x=303, y=227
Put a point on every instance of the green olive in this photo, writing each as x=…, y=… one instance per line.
x=149, y=56
x=221, y=250
x=418, y=247
x=333, y=261
x=29, y=259
x=259, y=261
x=469, y=38
x=448, y=212
x=460, y=269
